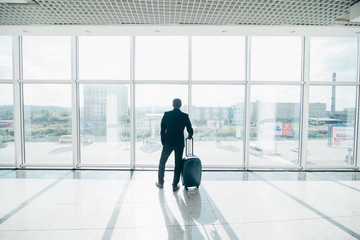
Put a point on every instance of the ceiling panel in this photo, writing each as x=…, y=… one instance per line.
x=178, y=12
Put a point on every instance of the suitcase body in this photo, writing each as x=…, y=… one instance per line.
x=191, y=172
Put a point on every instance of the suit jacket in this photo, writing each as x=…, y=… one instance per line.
x=173, y=124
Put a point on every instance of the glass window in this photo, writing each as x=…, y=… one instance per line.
x=104, y=58
x=333, y=59
x=218, y=119
x=274, y=125
x=105, y=124
x=47, y=58
x=6, y=124
x=161, y=58
x=331, y=126
x=151, y=103
x=276, y=58
x=5, y=57
x=47, y=117
x=218, y=58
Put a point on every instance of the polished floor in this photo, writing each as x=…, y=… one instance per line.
x=93, y=204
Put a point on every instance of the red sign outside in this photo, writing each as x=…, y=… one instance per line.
x=287, y=129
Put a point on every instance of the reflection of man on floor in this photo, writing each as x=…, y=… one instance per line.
x=190, y=211
x=172, y=225
x=173, y=124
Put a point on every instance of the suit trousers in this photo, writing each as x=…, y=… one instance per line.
x=166, y=151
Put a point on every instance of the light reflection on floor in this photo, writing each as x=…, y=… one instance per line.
x=92, y=204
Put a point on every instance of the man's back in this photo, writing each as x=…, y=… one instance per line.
x=172, y=128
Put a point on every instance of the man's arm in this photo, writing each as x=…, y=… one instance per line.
x=163, y=130
x=189, y=128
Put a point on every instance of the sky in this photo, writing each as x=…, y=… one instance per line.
x=113, y=53
x=167, y=58
x=47, y=58
x=276, y=58
x=47, y=95
x=5, y=57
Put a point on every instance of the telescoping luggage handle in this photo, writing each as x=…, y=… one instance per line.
x=189, y=148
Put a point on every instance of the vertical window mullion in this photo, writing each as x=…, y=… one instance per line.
x=18, y=102
x=247, y=101
x=357, y=110
x=304, y=103
x=132, y=102
x=75, y=101
x=190, y=77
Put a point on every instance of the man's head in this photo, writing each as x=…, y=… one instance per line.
x=177, y=103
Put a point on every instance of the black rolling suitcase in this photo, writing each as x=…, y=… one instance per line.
x=191, y=172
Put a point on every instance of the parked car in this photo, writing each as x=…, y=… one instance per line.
x=65, y=139
x=68, y=139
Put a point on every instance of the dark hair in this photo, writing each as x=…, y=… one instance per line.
x=177, y=103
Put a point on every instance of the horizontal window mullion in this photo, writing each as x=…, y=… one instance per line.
x=331, y=167
x=274, y=167
x=46, y=81
x=209, y=82
x=6, y=81
x=161, y=82
x=105, y=81
x=276, y=83
x=47, y=165
x=102, y=166
x=333, y=83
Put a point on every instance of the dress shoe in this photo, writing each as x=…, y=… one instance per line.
x=175, y=188
x=159, y=185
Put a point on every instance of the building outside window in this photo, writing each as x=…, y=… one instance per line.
x=218, y=121
x=104, y=124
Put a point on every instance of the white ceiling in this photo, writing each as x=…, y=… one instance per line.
x=179, y=12
x=179, y=17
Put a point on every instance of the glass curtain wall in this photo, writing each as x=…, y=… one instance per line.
x=332, y=102
x=7, y=154
x=47, y=101
x=276, y=59
x=104, y=58
x=6, y=124
x=218, y=58
x=119, y=79
x=275, y=107
x=218, y=94
x=104, y=93
x=104, y=124
x=218, y=118
x=151, y=101
x=46, y=58
x=161, y=58
x=6, y=65
x=274, y=126
x=157, y=59
x=47, y=123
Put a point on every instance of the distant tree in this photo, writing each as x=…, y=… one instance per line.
x=6, y=115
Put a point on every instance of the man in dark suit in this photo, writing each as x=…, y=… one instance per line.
x=173, y=124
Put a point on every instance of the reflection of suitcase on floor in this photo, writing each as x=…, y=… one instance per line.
x=191, y=173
